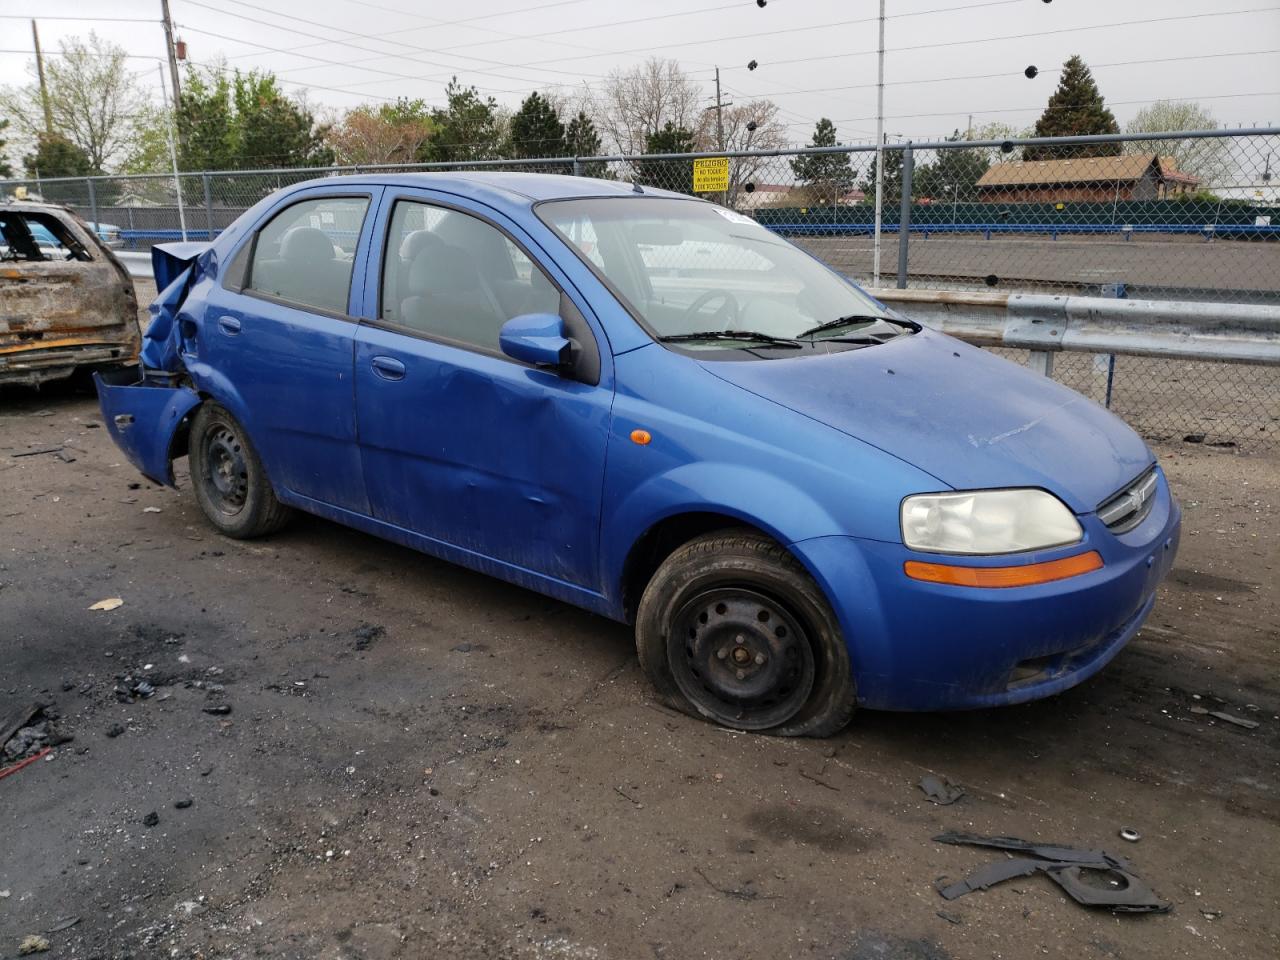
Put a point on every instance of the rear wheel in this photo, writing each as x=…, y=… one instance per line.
x=230, y=484
x=732, y=628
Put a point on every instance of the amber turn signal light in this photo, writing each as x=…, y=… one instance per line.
x=1024, y=575
x=641, y=437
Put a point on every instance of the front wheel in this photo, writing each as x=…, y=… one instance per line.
x=230, y=484
x=732, y=629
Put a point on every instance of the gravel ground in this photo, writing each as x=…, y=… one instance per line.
x=419, y=761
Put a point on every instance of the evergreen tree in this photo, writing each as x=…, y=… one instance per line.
x=56, y=156
x=892, y=163
x=275, y=130
x=536, y=130
x=208, y=132
x=469, y=128
x=1075, y=109
x=581, y=140
x=953, y=175
x=5, y=169
x=826, y=176
x=668, y=174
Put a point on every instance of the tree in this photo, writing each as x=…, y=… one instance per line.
x=208, y=131
x=825, y=176
x=56, y=156
x=668, y=174
x=892, y=193
x=581, y=140
x=753, y=125
x=1206, y=158
x=469, y=128
x=536, y=130
x=274, y=129
x=639, y=102
x=5, y=169
x=94, y=100
x=953, y=174
x=1075, y=109
x=390, y=133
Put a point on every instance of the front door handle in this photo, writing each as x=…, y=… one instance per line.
x=229, y=325
x=388, y=368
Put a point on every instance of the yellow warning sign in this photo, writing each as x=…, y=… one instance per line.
x=711, y=175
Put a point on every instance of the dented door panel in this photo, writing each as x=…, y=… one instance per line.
x=144, y=420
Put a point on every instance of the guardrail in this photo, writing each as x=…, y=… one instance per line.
x=1044, y=325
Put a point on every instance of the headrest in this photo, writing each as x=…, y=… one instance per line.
x=441, y=271
x=418, y=241
x=306, y=243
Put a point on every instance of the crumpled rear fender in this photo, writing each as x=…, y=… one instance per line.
x=143, y=419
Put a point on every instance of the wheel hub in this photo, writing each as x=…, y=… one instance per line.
x=226, y=474
x=741, y=657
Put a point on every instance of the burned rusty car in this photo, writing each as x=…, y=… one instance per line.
x=65, y=305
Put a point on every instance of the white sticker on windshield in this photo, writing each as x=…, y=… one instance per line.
x=732, y=215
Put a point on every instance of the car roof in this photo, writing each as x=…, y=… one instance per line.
x=508, y=188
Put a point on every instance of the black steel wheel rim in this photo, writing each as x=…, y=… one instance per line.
x=226, y=475
x=741, y=657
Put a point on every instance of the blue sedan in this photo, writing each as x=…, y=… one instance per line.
x=651, y=407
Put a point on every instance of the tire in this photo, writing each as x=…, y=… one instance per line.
x=732, y=629
x=230, y=484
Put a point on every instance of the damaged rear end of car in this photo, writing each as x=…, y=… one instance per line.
x=147, y=408
x=66, y=302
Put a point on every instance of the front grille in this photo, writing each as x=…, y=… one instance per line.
x=1128, y=508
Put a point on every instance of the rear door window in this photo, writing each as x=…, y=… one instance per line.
x=28, y=235
x=306, y=253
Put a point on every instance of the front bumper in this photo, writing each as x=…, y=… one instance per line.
x=925, y=646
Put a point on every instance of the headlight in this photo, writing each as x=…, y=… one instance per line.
x=987, y=522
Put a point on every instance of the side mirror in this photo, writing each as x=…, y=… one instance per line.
x=536, y=338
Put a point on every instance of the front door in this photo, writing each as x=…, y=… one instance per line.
x=279, y=335
x=461, y=443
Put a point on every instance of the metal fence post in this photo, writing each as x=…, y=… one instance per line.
x=93, y=203
x=208, y=204
x=904, y=214
x=577, y=166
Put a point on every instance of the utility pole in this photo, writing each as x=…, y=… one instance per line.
x=719, y=110
x=44, y=89
x=173, y=151
x=875, y=256
x=171, y=51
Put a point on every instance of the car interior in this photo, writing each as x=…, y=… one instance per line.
x=459, y=278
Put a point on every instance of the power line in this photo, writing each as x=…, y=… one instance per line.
x=1020, y=36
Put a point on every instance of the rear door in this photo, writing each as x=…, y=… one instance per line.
x=277, y=337
x=461, y=443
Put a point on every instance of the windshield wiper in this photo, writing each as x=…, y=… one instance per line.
x=848, y=321
x=753, y=336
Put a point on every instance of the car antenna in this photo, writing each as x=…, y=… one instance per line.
x=635, y=187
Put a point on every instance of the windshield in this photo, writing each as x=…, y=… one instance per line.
x=704, y=277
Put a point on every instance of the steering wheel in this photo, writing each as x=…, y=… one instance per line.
x=729, y=309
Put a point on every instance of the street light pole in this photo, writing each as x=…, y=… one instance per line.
x=875, y=256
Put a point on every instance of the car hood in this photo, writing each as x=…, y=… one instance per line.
x=962, y=414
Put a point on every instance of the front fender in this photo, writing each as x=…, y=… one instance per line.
x=143, y=419
x=763, y=500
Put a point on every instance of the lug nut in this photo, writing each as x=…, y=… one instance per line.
x=722, y=652
x=742, y=674
x=759, y=659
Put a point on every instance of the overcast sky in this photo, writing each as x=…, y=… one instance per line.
x=816, y=57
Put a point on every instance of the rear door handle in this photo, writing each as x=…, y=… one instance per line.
x=229, y=325
x=388, y=368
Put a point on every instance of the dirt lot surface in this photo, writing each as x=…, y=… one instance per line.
x=419, y=761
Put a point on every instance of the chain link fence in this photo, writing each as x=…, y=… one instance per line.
x=1190, y=216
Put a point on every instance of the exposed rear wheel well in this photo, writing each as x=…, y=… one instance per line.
x=663, y=539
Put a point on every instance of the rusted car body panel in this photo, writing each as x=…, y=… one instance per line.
x=74, y=308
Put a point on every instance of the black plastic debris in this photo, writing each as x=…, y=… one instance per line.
x=940, y=790
x=752, y=65
x=151, y=819
x=1093, y=878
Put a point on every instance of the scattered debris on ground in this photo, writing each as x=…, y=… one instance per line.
x=33, y=944
x=31, y=730
x=111, y=603
x=1093, y=878
x=940, y=790
x=1226, y=717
